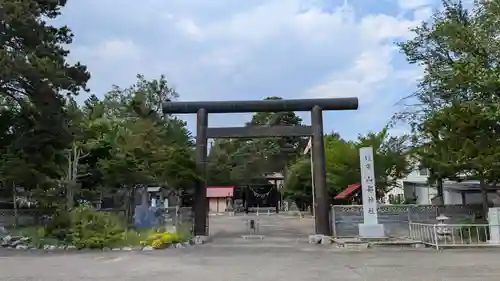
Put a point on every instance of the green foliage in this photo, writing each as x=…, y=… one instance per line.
x=59, y=227
x=95, y=230
x=454, y=113
x=243, y=161
x=474, y=233
x=34, y=79
x=59, y=151
x=342, y=165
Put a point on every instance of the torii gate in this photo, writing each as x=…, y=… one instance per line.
x=315, y=106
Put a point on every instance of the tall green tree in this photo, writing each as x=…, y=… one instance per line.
x=242, y=161
x=455, y=113
x=343, y=165
x=33, y=78
x=140, y=141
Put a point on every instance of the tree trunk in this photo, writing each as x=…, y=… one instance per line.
x=484, y=194
x=144, y=195
x=74, y=156
x=128, y=206
x=70, y=195
x=14, y=195
x=440, y=194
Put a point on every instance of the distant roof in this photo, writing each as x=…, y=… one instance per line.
x=220, y=191
x=154, y=188
x=349, y=191
x=274, y=176
x=469, y=185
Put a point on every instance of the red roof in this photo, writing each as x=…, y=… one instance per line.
x=348, y=192
x=220, y=191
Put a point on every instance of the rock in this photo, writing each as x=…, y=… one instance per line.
x=70, y=247
x=200, y=239
x=3, y=230
x=16, y=238
x=127, y=249
x=25, y=239
x=315, y=239
x=7, y=239
x=22, y=247
x=326, y=240
x=61, y=247
x=16, y=243
x=186, y=244
x=49, y=247
x=116, y=249
x=179, y=246
x=419, y=245
x=148, y=248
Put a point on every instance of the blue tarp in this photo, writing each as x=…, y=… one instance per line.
x=147, y=217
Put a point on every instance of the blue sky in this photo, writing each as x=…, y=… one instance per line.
x=240, y=50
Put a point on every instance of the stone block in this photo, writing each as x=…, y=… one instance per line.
x=315, y=238
x=200, y=239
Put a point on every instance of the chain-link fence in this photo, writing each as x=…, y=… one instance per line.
x=396, y=218
x=22, y=217
x=179, y=217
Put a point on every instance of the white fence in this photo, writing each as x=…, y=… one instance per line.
x=451, y=235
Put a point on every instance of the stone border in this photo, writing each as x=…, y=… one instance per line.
x=363, y=243
x=51, y=248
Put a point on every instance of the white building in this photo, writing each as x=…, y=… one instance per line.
x=415, y=186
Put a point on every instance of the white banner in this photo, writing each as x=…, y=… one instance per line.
x=308, y=146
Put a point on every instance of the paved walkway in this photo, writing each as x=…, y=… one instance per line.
x=252, y=262
x=283, y=254
x=270, y=226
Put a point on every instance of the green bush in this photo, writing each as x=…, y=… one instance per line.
x=59, y=226
x=90, y=228
x=475, y=233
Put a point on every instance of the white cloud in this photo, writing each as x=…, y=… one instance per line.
x=371, y=67
x=359, y=80
x=414, y=4
x=222, y=50
x=189, y=28
x=422, y=14
x=110, y=50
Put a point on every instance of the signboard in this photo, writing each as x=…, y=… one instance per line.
x=368, y=185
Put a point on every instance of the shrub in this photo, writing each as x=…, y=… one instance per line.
x=475, y=233
x=93, y=229
x=59, y=226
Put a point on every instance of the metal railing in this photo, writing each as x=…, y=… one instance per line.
x=451, y=235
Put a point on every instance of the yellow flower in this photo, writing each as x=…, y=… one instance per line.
x=166, y=238
x=157, y=244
